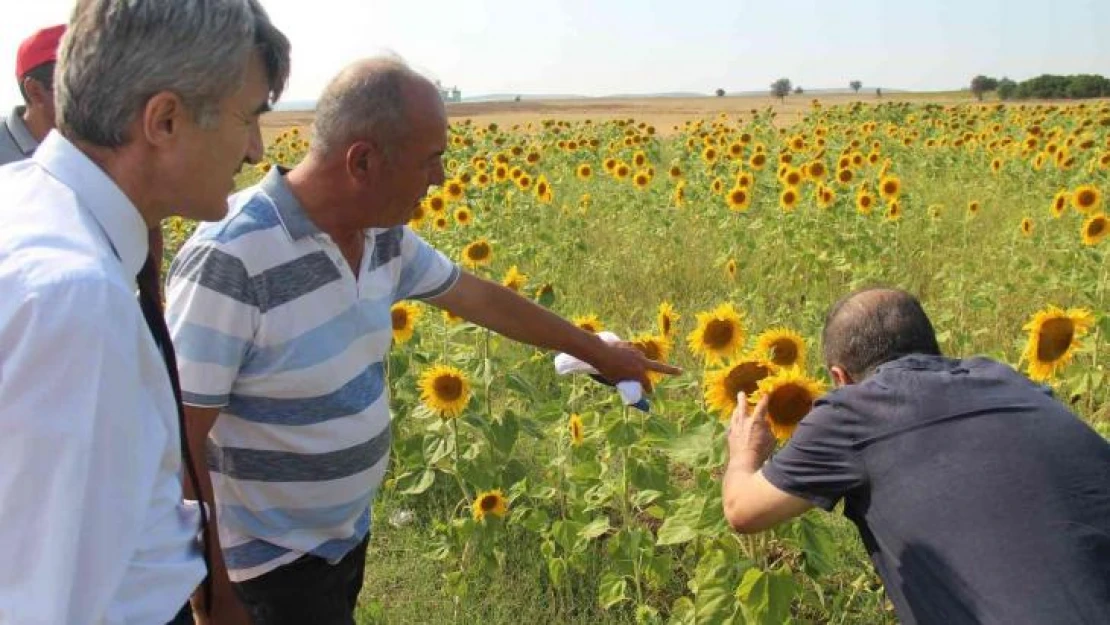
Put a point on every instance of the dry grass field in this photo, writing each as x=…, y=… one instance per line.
x=663, y=113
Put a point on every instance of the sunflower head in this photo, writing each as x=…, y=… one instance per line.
x=589, y=323
x=1054, y=336
x=790, y=396
x=739, y=198
x=514, y=279
x=719, y=334
x=478, y=253
x=491, y=503
x=743, y=374
x=789, y=198
x=1086, y=198
x=667, y=319
x=1095, y=229
x=463, y=216
x=1026, y=227
x=584, y=171
x=1060, y=203
x=403, y=316
x=782, y=347
x=576, y=430
x=445, y=391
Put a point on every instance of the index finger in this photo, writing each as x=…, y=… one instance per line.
x=663, y=367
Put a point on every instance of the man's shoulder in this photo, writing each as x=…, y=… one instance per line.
x=250, y=213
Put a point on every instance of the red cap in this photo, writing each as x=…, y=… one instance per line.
x=38, y=49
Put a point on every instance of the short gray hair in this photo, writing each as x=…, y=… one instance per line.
x=366, y=99
x=116, y=54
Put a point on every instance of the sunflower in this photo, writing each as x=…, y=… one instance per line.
x=622, y=170
x=610, y=164
x=935, y=211
x=404, y=316
x=445, y=391
x=667, y=319
x=491, y=502
x=524, y=182
x=463, y=216
x=436, y=203
x=543, y=190
x=641, y=179
x=1026, y=226
x=844, y=176
x=758, y=161
x=478, y=253
x=730, y=269
x=825, y=196
x=709, y=155
x=576, y=430
x=788, y=200
x=589, y=323
x=718, y=335
x=675, y=172
x=996, y=165
x=973, y=207
x=584, y=171
x=782, y=347
x=501, y=173
x=514, y=279
x=653, y=348
x=679, y=195
x=890, y=187
x=1095, y=229
x=1060, y=203
x=894, y=211
x=453, y=190
x=743, y=374
x=1053, y=338
x=451, y=318
x=792, y=177
x=639, y=159
x=739, y=199
x=790, y=397
x=440, y=223
x=1086, y=198
x=744, y=179
x=816, y=170
x=864, y=201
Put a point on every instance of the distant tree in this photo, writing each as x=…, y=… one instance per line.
x=982, y=84
x=1006, y=89
x=856, y=85
x=720, y=93
x=798, y=90
x=516, y=99
x=1087, y=86
x=781, y=88
x=878, y=92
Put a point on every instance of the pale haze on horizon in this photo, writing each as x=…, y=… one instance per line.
x=591, y=48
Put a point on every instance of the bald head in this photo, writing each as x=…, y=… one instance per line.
x=872, y=326
x=378, y=99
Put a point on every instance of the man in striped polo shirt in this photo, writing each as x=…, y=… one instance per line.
x=281, y=317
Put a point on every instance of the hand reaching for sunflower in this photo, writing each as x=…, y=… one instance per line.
x=750, y=440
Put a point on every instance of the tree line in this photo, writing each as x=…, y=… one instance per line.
x=1045, y=86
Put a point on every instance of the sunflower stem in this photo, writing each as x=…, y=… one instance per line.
x=458, y=476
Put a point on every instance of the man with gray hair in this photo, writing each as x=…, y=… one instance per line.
x=157, y=108
x=281, y=317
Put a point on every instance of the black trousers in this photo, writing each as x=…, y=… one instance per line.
x=307, y=591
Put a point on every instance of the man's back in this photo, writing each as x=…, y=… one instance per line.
x=980, y=498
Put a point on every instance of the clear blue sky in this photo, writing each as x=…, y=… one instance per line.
x=599, y=47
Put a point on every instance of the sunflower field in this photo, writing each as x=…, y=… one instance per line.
x=518, y=495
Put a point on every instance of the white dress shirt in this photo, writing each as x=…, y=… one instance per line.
x=92, y=525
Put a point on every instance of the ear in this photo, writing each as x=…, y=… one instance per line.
x=840, y=376
x=364, y=160
x=163, y=118
x=37, y=93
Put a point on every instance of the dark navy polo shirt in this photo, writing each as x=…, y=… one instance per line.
x=980, y=498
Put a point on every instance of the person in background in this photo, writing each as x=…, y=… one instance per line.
x=27, y=125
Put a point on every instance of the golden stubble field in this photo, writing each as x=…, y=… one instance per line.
x=664, y=113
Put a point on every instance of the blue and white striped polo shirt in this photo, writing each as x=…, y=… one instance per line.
x=271, y=327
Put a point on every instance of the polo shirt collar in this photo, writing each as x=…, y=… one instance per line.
x=19, y=131
x=99, y=194
x=290, y=212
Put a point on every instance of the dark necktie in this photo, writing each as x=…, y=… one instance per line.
x=151, y=303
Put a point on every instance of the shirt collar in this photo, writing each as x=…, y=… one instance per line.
x=20, y=133
x=290, y=212
x=99, y=194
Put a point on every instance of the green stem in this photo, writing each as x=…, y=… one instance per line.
x=458, y=477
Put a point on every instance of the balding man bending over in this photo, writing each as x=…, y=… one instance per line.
x=980, y=498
